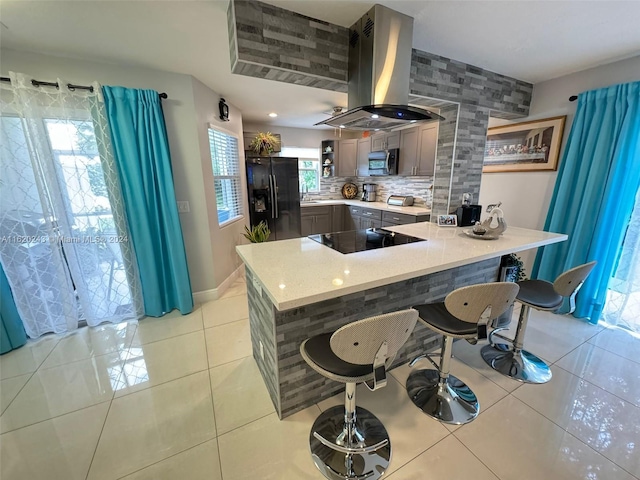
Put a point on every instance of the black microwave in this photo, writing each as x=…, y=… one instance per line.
x=384, y=162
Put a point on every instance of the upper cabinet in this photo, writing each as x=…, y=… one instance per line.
x=348, y=159
x=418, y=150
x=385, y=141
x=329, y=149
x=364, y=148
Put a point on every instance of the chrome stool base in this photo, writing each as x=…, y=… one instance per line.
x=336, y=465
x=522, y=366
x=453, y=402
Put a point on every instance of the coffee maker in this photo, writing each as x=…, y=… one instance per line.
x=369, y=192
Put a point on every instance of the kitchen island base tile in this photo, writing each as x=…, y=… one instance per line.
x=276, y=335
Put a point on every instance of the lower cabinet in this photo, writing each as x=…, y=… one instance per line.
x=360, y=218
x=393, y=218
x=337, y=218
x=315, y=220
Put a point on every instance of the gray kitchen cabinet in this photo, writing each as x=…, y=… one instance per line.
x=315, y=220
x=337, y=217
x=352, y=218
x=393, y=218
x=427, y=150
x=408, y=151
x=348, y=158
x=364, y=149
x=377, y=142
x=360, y=218
x=418, y=150
x=306, y=224
x=385, y=141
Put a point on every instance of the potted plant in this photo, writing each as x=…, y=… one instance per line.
x=258, y=233
x=514, y=268
x=265, y=143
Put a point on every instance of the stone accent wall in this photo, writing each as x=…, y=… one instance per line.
x=418, y=187
x=277, y=44
x=281, y=45
x=480, y=93
x=262, y=326
x=298, y=386
x=444, y=156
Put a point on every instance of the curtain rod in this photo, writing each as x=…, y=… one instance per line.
x=70, y=86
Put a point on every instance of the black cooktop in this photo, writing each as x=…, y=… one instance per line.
x=361, y=240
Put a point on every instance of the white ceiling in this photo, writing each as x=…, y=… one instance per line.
x=529, y=40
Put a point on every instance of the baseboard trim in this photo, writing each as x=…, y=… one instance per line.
x=215, y=293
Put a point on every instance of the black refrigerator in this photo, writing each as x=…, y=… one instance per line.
x=274, y=195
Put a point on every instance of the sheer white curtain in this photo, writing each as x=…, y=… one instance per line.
x=64, y=241
x=622, y=307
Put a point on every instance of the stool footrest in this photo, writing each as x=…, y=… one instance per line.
x=365, y=455
x=340, y=448
x=426, y=356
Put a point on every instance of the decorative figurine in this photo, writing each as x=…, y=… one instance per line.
x=489, y=227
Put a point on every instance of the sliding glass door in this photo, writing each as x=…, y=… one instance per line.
x=63, y=234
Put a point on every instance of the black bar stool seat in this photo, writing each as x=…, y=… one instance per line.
x=348, y=442
x=511, y=359
x=464, y=313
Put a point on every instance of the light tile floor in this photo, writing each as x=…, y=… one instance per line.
x=181, y=398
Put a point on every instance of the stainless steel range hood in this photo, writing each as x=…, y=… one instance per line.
x=379, y=72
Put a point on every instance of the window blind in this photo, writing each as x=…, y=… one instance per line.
x=226, y=175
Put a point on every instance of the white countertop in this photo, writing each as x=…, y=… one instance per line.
x=420, y=210
x=301, y=271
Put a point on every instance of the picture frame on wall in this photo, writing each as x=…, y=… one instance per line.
x=524, y=147
x=447, y=221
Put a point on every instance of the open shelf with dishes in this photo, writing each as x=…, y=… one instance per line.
x=329, y=156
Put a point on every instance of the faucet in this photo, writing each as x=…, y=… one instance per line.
x=303, y=192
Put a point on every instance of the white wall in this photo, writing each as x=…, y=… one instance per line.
x=223, y=240
x=190, y=106
x=526, y=196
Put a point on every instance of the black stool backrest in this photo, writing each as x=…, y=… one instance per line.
x=567, y=283
x=358, y=342
x=469, y=303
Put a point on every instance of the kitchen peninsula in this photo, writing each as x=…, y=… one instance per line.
x=299, y=288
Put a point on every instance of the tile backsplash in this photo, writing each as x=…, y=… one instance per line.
x=419, y=187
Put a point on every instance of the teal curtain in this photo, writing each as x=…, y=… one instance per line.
x=595, y=191
x=12, y=334
x=141, y=151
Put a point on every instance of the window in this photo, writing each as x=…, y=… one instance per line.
x=226, y=175
x=308, y=166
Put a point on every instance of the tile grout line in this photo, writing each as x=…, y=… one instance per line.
x=213, y=408
x=28, y=380
x=565, y=429
x=166, y=458
x=598, y=387
x=53, y=418
x=95, y=450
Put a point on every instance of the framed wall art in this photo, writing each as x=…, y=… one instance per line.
x=524, y=147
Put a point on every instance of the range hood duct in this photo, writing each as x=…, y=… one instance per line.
x=379, y=73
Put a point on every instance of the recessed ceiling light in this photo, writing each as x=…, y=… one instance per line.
x=341, y=126
x=273, y=115
x=375, y=115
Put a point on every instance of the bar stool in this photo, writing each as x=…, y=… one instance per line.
x=349, y=442
x=464, y=314
x=512, y=360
